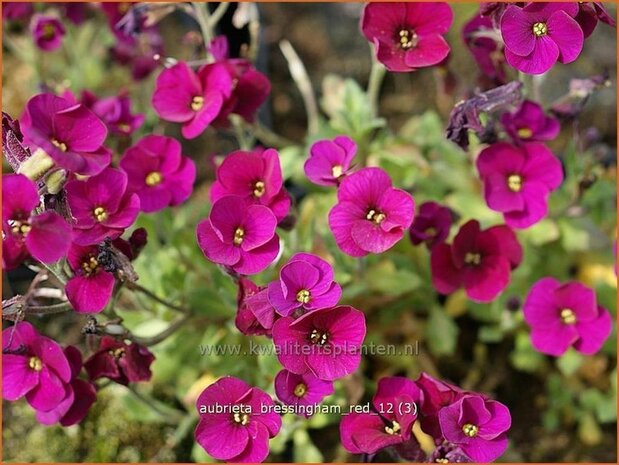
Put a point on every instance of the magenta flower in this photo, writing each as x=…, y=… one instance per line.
x=33, y=366
x=120, y=362
x=371, y=215
x=436, y=395
x=431, y=225
x=90, y=288
x=488, y=54
x=518, y=180
x=239, y=235
x=564, y=315
x=305, y=282
x=80, y=396
x=255, y=315
x=326, y=342
x=46, y=236
x=115, y=112
x=236, y=421
x=589, y=13
x=480, y=261
x=194, y=99
x=256, y=176
x=330, y=160
x=101, y=206
x=301, y=390
x=158, y=173
x=478, y=426
x=47, y=32
x=407, y=36
x=69, y=133
x=14, y=11
x=530, y=123
x=539, y=34
x=142, y=54
x=395, y=407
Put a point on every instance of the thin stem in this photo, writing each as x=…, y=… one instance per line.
x=156, y=298
x=202, y=16
x=219, y=12
x=156, y=339
x=377, y=75
x=174, y=415
x=271, y=138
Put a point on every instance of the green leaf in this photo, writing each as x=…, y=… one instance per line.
x=441, y=333
x=304, y=450
x=524, y=357
x=570, y=362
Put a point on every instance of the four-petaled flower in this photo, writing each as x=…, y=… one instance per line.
x=120, y=362
x=47, y=32
x=330, y=160
x=530, y=123
x=301, y=390
x=431, y=224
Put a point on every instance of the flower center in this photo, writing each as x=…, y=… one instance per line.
x=303, y=296
x=35, y=363
x=525, y=133
x=393, y=429
x=442, y=461
x=375, y=216
x=408, y=39
x=90, y=266
x=568, y=316
x=197, y=102
x=259, y=189
x=318, y=337
x=472, y=258
x=431, y=231
x=100, y=214
x=470, y=430
x=59, y=145
x=241, y=418
x=154, y=178
x=514, y=182
x=337, y=171
x=117, y=353
x=239, y=234
x=540, y=29
x=300, y=390
x=19, y=227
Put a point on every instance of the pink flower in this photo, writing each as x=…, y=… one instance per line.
x=431, y=225
x=194, y=99
x=436, y=395
x=46, y=236
x=239, y=235
x=407, y=36
x=158, y=173
x=249, y=91
x=15, y=11
x=101, y=206
x=141, y=54
x=330, y=160
x=122, y=363
x=33, y=366
x=255, y=315
x=588, y=15
x=255, y=176
x=539, y=34
x=478, y=260
x=488, y=54
x=47, y=32
x=564, y=315
x=234, y=425
x=326, y=342
x=301, y=390
x=530, y=123
x=395, y=407
x=478, y=426
x=305, y=282
x=69, y=133
x=115, y=112
x=90, y=288
x=370, y=216
x=80, y=396
x=518, y=180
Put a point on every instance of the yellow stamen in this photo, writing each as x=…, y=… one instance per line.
x=197, y=102
x=300, y=390
x=337, y=171
x=525, y=133
x=241, y=418
x=393, y=429
x=408, y=39
x=472, y=258
x=19, y=227
x=375, y=216
x=35, y=363
x=117, y=353
x=259, y=189
x=59, y=145
x=319, y=338
x=90, y=266
x=568, y=316
x=470, y=430
x=514, y=182
x=303, y=296
x=154, y=178
x=100, y=214
x=540, y=29
x=239, y=234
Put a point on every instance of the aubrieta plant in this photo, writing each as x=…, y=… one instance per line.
x=291, y=265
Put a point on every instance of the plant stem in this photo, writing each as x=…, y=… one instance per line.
x=156, y=339
x=203, y=17
x=172, y=414
x=156, y=298
x=377, y=74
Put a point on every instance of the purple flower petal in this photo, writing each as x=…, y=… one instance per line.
x=594, y=333
x=567, y=34
x=90, y=294
x=516, y=29
x=49, y=239
x=17, y=377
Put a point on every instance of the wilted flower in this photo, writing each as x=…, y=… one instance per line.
x=395, y=407
x=326, y=342
x=14, y=11
x=305, y=282
x=589, y=13
x=158, y=173
x=12, y=142
x=234, y=425
x=46, y=236
x=47, y=32
x=480, y=261
x=539, y=34
x=564, y=315
x=141, y=53
x=80, y=396
x=478, y=426
x=448, y=453
x=194, y=99
x=486, y=51
x=330, y=160
x=407, y=36
x=33, y=366
x=239, y=235
x=256, y=176
x=301, y=390
x=371, y=215
x=90, y=289
x=120, y=362
x=115, y=112
x=255, y=314
x=530, y=123
x=518, y=180
x=71, y=134
x=431, y=224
